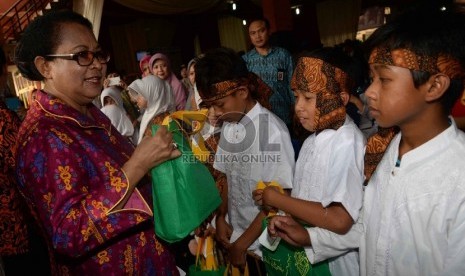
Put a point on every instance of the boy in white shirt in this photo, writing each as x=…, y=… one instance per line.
x=328, y=179
x=413, y=220
x=255, y=145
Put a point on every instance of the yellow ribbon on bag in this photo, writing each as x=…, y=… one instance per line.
x=208, y=262
x=261, y=185
x=196, y=120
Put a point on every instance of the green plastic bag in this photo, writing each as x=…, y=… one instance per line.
x=290, y=260
x=184, y=192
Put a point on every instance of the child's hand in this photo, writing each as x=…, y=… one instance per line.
x=289, y=230
x=205, y=229
x=271, y=194
x=237, y=254
x=257, y=196
x=223, y=231
x=106, y=83
x=123, y=85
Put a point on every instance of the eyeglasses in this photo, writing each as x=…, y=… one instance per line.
x=84, y=58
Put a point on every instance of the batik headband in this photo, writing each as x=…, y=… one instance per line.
x=378, y=143
x=222, y=89
x=418, y=62
x=258, y=89
x=327, y=82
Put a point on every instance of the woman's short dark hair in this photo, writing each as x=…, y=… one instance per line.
x=427, y=32
x=42, y=37
x=218, y=65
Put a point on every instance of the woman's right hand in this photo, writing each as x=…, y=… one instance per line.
x=150, y=152
x=154, y=150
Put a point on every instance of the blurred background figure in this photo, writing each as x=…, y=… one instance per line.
x=144, y=66
x=20, y=241
x=112, y=107
x=160, y=66
x=154, y=96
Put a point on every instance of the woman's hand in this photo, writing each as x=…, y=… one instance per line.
x=154, y=150
x=150, y=152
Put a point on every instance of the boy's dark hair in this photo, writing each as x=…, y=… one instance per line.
x=427, y=32
x=216, y=66
x=42, y=37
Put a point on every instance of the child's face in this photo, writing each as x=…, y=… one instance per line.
x=192, y=74
x=392, y=97
x=305, y=107
x=230, y=108
x=141, y=102
x=145, y=69
x=160, y=69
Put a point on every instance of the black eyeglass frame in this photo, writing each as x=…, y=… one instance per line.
x=102, y=56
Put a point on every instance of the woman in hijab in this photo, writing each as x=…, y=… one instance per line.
x=153, y=94
x=144, y=65
x=160, y=66
x=112, y=107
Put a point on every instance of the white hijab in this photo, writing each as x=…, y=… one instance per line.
x=159, y=98
x=116, y=113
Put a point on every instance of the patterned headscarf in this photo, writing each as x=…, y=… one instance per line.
x=327, y=82
x=258, y=89
x=405, y=58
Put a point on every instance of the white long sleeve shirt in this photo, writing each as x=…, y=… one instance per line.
x=256, y=148
x=413, y=219
x=330, y=169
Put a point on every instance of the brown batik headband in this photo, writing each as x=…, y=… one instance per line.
x=327, y=82
x=408, y=59
x=223, y=89
x=259, y=90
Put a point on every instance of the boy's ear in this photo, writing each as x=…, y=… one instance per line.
x=438, y=84
x=243, y=93
x=345, y=96
x=43, y=66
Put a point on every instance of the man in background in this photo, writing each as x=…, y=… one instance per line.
x=274, y=65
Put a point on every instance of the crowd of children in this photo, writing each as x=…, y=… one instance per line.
x=385, y=200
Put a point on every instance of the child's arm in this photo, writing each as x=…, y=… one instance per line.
x=238, y=248
x=334, y=218
x=223, y=229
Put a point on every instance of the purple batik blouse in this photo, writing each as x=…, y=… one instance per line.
x=69, y=168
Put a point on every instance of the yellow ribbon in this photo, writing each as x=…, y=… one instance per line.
x=196, y=120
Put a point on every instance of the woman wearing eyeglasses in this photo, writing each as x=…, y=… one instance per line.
x=82, y=179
